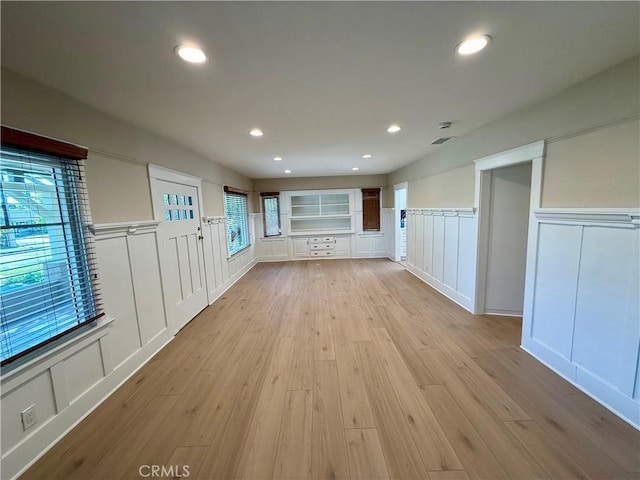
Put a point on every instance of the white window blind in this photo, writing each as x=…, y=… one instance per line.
x=48, y=284
x=235, y=208
x=271, y=213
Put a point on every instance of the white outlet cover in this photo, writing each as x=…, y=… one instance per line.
x=28, y=417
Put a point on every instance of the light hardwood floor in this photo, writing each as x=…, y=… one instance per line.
x=345, y=369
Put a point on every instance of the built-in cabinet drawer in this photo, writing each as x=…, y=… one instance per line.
x=314, y=240
x=322, y=253
x=321, y=246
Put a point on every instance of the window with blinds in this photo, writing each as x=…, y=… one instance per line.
x=48, y=284
x=371, y=209
x=236, y=211
x=271, y=213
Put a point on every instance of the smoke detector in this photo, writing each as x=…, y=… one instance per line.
x=444, y=125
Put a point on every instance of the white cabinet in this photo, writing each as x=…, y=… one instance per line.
x=343, y=246
x=300, y=247
x=322, y=246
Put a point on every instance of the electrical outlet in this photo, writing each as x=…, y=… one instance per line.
x=28, y=417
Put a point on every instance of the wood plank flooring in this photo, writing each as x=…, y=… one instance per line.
x=345, y=369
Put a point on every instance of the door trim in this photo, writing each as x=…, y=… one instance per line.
x=162, y=173
x=396, y=219
x=534, y=153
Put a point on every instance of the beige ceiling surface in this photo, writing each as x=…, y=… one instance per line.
x=322, y=79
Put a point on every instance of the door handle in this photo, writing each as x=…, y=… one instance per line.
x=200, y=237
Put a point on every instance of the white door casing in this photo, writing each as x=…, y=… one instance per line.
x=177, y=205
x=534, y=153
x=400, y=239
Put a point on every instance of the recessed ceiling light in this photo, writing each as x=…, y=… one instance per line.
x=287, y=171
x=256, y=132
x=355, y=168
x=191, y=53
x=277, y=159
x=367, y=155
x=394, y=128
x=473, y=44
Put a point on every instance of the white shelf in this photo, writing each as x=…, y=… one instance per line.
x=321, y=212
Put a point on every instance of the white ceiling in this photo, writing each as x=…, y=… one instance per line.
x=322, y=79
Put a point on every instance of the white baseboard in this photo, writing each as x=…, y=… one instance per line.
x=237, y=276
x=447, y=291
x=619, y=404
x=504, y=313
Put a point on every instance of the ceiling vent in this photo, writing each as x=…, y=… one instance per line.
x=441, y=140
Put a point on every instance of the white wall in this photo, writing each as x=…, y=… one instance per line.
x=586, y=293
x=507, y=248
x=441, y=250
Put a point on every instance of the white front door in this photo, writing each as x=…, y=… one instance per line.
x=177, y=206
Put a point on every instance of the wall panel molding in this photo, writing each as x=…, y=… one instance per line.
x=132, y=331
x=121, y=229
x=607, y=217
x=585, y=321
x=221, y=270
x=441, y=251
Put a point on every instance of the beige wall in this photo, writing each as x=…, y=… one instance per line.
x=212, y=199
x=31, y=106
x=600, y=100
x=596, y=169
x=454, y=188
x=321, y=183
x=131, y=200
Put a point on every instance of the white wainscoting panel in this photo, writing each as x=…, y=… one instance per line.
x=585, y=320
x=270, y=249
x=387, y=223
x=82, y=370
x=467, y=241
x=555, y=287
x=427, y=239
x=441, y=250
x=117, y=292
x=451, y=249
x=437, y=242
x=70, y=380
x=221, y=270
x=145, y=274
x=607, y=329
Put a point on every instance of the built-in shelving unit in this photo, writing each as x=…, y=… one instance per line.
x=320, y=212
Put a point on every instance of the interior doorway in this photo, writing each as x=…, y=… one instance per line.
x=400, y=221
x=508, y=192
x=508, y=210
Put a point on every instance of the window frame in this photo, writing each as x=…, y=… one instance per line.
x=236, y=192
x=263, y=197
x=371, y=196
x=72, y=199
